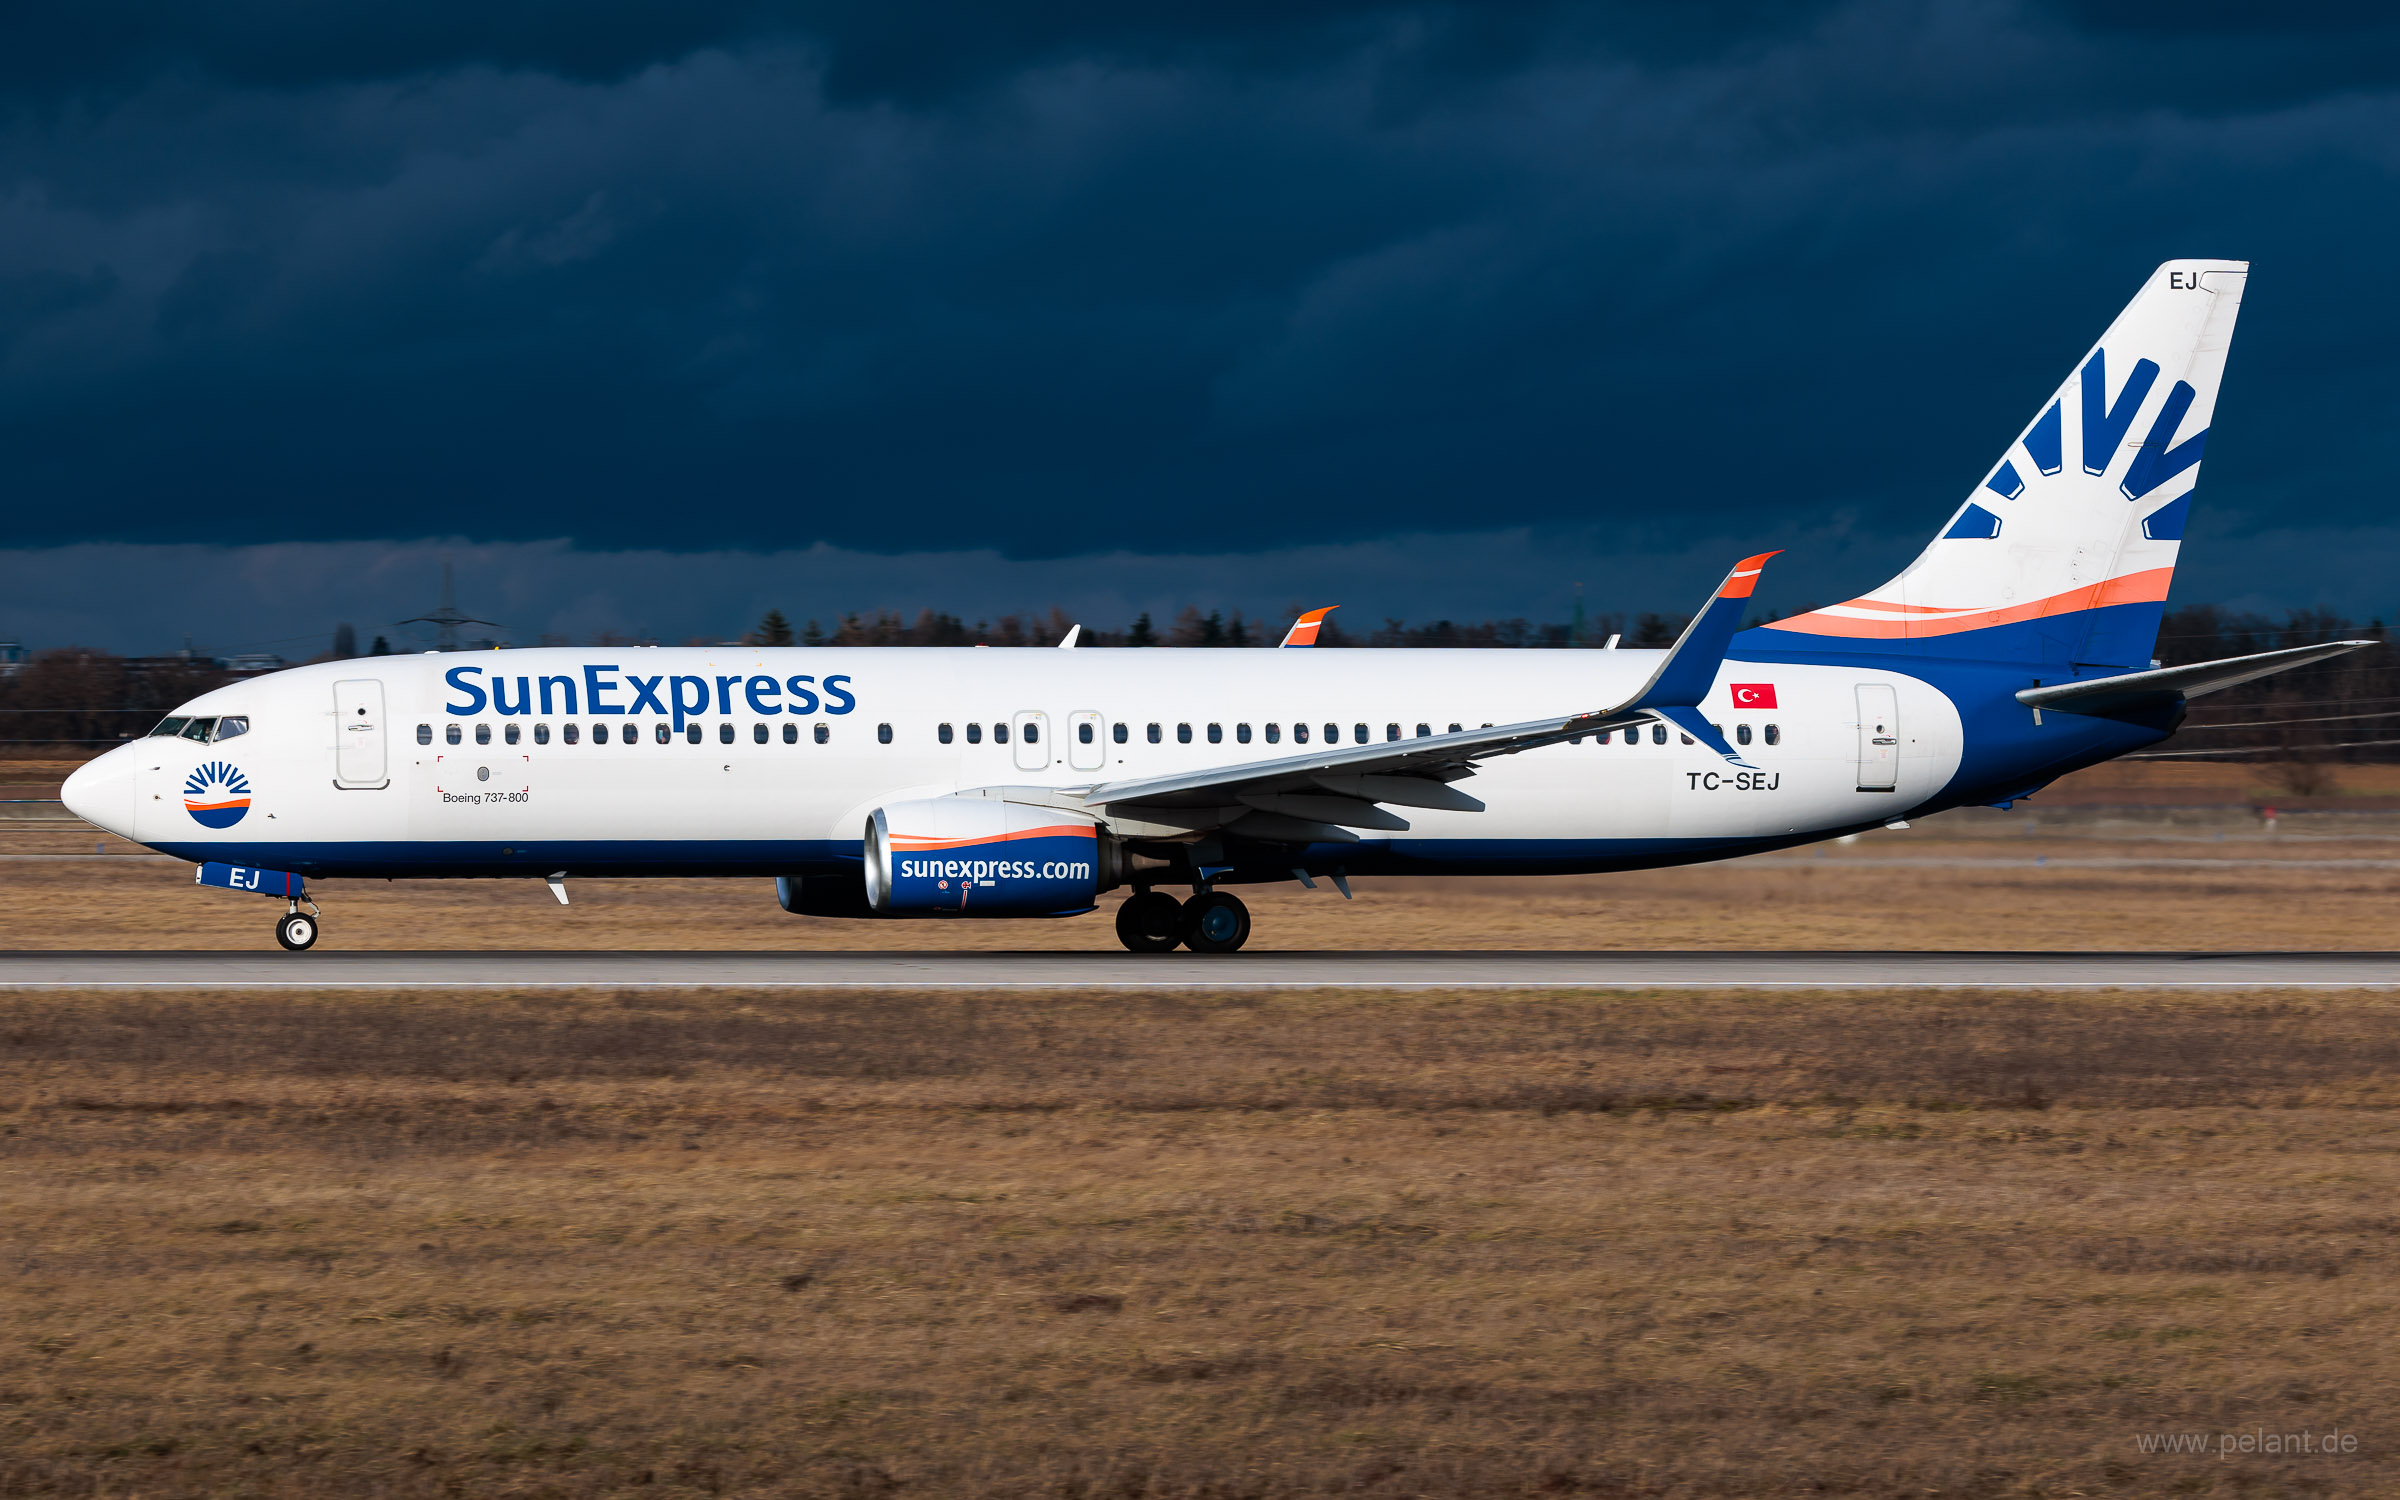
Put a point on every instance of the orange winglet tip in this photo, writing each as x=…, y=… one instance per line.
x=1304, y=630
x=1744, y=576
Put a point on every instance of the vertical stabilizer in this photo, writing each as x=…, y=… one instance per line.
x=2062, y=556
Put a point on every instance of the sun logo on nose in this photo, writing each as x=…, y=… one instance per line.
x=216, y=795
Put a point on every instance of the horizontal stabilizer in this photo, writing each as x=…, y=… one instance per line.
x=2105, y=695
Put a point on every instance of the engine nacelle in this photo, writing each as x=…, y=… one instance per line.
x=980, y=857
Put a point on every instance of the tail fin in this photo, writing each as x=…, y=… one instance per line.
x=2063, y=555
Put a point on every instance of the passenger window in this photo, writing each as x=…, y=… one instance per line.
x=599, y=734
x=664, y=732
x=1453, y=729
x=1687, y=739
x=691, y=734
x=541, y=734
x=1333, y=734
x=883, y=734
x=1274, y=733
x=758, y=734
x=791, y=734
x=1774, y=735
x=942, y=732
x=1299, y=734
x=1083, y=733
x=1033, y=734
x=511, y=733
x=1658, y=734
x=424, y=734
x=999, y=734
x=1741, y=734
x=1154, y=734
x=824, y=735
x=974, y=734
x=1603, y=736
x=483, y=734
x=1361, y=732
x=230, y=728
x=1424, y=731
x=725, y=733
x=450, y=734
x=567, y=732
x=1391, y=731
x=1216, y=734
x=1241, y=734
x=1117, y=732
x=1183, y=734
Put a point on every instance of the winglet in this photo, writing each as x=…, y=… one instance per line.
x=1690, y=669
x=1304, y=630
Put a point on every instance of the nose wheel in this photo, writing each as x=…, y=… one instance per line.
x=296, y=930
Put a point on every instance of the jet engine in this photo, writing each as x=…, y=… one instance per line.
x=981, y=857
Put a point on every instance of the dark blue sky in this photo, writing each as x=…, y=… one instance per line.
x=1041, y=281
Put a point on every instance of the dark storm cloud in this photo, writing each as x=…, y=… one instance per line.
x=1065, y=279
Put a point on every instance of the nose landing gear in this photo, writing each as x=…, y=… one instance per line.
x=297, y=930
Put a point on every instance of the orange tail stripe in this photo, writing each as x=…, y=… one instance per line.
x=2149, y=587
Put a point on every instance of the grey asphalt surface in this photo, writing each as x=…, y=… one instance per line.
x=1121, y=971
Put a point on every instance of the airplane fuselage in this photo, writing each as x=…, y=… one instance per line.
x=749, y=761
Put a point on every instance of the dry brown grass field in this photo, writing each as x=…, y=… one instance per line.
x=1107, y=1245
x=1093, y=1245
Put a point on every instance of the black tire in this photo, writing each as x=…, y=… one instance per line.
x=1150, y=922
x=1215, y=923
x=297, y=931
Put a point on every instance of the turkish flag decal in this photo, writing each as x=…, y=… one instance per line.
x=1753, y=694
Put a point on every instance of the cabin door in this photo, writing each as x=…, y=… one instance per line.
x=358, y=749
x=1878, y=737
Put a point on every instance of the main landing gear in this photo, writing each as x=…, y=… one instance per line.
x=1155, y=922
x=296, y=929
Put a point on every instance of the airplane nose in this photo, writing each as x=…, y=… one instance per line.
x=101, y=793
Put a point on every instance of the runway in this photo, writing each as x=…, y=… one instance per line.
x=1244, y=971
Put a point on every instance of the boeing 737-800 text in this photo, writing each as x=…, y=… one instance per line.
x=1025, y=783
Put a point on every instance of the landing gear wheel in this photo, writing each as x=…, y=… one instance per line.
x=1150, y=922
x=296, y=931
x=1215, y=923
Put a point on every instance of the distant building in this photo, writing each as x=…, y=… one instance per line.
x=251, y=663
x=12, y=658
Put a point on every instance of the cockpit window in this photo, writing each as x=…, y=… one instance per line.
x=168, y=728
x=231, y=725
x=198, y=729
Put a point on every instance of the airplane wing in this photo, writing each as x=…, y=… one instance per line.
x=1310, y=798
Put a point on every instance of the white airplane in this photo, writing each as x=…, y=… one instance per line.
x=1026, y=783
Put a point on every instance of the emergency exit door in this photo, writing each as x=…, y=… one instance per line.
x=358, y=751
x=1087, y=750
x=1878, y=737
x=1033, y=741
